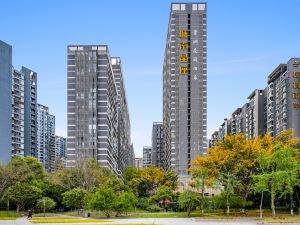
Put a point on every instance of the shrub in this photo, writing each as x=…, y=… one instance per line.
x=153, y=208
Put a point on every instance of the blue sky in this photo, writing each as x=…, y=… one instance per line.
x=247, y=39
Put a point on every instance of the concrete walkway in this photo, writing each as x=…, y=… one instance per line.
x=163, y=221
x=19, y=221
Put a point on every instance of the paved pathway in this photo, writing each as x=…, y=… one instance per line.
x=20, y=221
x=186, y=221
x=164, y=221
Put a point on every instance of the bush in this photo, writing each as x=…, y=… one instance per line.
x=143, y=203
x=235, y=201
x=46, y=204
x=153, y=208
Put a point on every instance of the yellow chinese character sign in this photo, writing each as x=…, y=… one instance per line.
x=296, y=105
x=183, y=70
x=296, y=95
x=296, y=74
x=296, y=85
x=184, y=58
x=183, y=34
x=183, y=46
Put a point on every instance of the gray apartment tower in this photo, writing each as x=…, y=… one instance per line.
x=98, y=118
x=24, y=96
x=272, y=110
x=60, y=146
x=283, y=98
x=147, y=156
x=184, y=86
x=157, y=144
x=5, y=102
x=46, y=137
x=125, y=147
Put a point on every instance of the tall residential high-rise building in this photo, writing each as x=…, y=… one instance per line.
x=283, y=98
x=138, y=162
x=255, y=115
x=147, y=156
x=60, y=146
x=98, y=118
x=30, y=111
x=184, y=86
x=125, y=148
x=157, y=144
x=18, y=113
x=272, y=110
x=5, y=102
x=46, y=137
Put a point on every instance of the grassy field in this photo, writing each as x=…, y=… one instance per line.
x=8, y=215
x=219, y=214
x=281, y=219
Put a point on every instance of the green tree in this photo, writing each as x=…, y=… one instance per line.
x=201, y=182
x=23, y=194
x=45, y=204
x=189, y=200
x=230, y=183
x=125, y=201
x=163, y=193
x=104, y=200
x=75, y=198
x=279, y=173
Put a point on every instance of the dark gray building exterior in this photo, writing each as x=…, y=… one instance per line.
x=184, y=86
x=125, y=147
x=147, y=156
x=255, y=114
x=46, y=137
x=273, y=109
x=98, y=117
x=30, y=108
x=5, y=102
x=60, y=146
x=283, y=98
x=157, y=144
x=24, y=96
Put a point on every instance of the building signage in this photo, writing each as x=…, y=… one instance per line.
x=296, y=88
x=183, y=55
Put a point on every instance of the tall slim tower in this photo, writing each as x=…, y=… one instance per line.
x=92, y=107
x=184, y=86
x=5, y=102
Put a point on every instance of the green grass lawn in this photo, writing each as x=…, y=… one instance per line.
x=280, y=219
x=8, y=215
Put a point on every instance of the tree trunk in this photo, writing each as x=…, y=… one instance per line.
x=261, y=205
x=272, y=203
x=189, y=211
x=202, y=201
x=18, y=208
x=227, y=205
x=292, y=204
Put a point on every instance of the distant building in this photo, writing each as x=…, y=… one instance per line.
x=46, y=137
x=157, y=144
x=147, y=156
x=60, y=146
x=139, y=162
x=271, y=110
x=283, y=98
x=255, y=115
